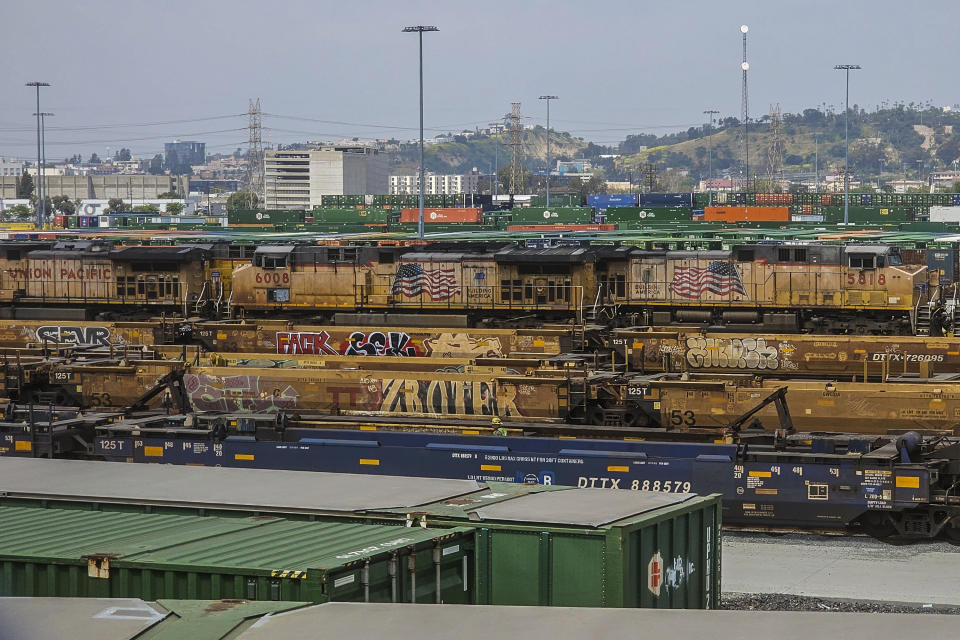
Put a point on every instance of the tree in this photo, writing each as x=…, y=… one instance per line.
x=503, y=174
x=122, y=155
x=94, y=159
x=114, y=205
x=582, y=188
x=174, y=208
x=25, y=186
x=19, y=212
x=242, y=200
x=156, y=165
x=168, y=195
x=63, y=205
x=146, y=208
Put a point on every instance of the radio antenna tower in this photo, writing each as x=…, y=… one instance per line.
x=744, y=108
x=775, y=150
x=516, y=149
x=255, y=179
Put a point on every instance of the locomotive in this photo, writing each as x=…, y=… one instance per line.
x=785, y=287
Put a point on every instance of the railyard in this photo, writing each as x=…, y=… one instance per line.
x=811, y=385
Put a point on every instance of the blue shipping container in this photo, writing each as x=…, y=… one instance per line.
x=956, y=199
x=866, y=199
x=601, y=201
x=667, y=199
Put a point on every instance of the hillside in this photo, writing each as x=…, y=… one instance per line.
x=902, y=140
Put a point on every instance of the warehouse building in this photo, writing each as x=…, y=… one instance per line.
x=298, y=179
x=126, y=187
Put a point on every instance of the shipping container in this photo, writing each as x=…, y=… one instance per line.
x=944, y=263
x=626, y=215
x=747, y=214
x=553, y=215
x=433, y=215
x=50, y=552
x=666, y=199
x=562, y=227
x=534, y=544
x=945, y=214
x=601, y=202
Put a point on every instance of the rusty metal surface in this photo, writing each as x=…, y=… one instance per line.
x=784, y=354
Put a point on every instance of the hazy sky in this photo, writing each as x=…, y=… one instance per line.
x=618, y=67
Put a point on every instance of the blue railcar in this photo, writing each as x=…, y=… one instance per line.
x=810, y=482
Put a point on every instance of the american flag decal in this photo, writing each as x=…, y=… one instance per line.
x=413, y=280
x=721, y=278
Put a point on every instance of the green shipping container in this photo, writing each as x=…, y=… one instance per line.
x=81, y=553
x=591, y=547
x=553, y=215
x=627, y=215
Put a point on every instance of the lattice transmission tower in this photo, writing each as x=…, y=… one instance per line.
x=516, y=149
x=775, y=150
x=255, y=178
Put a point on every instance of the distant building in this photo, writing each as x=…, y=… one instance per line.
x=722, y=184
x=11, y=167
x=435, y=184
x=184, y=153
x=298, y=179
x=573, y=167
x=902, y=186
x=102, y=186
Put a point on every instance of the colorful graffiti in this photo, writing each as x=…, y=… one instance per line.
x=462, y=345
x=74, y=334
x=358, y=343
x=731, y=353
x=380, y=343
x=237, y=393
x=304, y=342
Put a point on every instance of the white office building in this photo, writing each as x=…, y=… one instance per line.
x=435, y=184
x=298, y=179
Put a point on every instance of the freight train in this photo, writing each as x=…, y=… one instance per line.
x=778, y=286
x=885, y=486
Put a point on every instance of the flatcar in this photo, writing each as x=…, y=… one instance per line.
x=883, y=486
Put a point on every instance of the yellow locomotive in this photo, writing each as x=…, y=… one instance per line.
x=834, y=288
x=777, y=286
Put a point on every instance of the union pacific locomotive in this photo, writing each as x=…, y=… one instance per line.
x=780, y=286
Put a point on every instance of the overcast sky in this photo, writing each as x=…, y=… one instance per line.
x=618, y=67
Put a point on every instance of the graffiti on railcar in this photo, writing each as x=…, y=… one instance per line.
x=73, y=334
x=305, y=342
x=380, y=343
x=731, y=353
x=237, y=393
x=462, y=345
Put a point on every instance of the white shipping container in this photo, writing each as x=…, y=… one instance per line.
x=944, y=214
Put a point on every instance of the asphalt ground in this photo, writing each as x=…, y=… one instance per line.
x=813, y=572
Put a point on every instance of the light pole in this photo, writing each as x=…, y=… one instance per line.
x=41, y=178
x=419, y=29
x=745, y=107
x=816, y=162
x=549, y=169
x=710, y=113
x=846, y=143
x=39, y=192
x=496, y=159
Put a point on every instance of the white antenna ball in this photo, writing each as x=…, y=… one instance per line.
x=744, y=28
x=745, y=65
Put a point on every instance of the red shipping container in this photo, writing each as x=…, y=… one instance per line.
x=435, y=215
x=747, y=214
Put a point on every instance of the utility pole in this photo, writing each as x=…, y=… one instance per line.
x=549, y=168
x=41, y=175
x=710, y=113
x=745, y=108
x=516, y=148
x=816, y=161
x=419, y=29
x=846, y=142
x=40, y=203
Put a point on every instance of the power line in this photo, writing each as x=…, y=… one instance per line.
x=94, y=127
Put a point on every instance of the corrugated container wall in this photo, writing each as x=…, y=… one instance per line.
x=747, y=214
x=432, y=215
x=666, y=199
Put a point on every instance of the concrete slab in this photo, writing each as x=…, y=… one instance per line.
x=845, y=568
